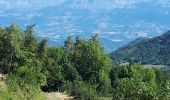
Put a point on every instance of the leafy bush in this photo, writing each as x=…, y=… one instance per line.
x=13, y=91
x=24, y=84
x=84, y=91
x=133, y=82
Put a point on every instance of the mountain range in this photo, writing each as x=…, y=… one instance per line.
x=154, y=51
x=117, y=21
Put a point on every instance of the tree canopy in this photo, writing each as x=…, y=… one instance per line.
x=80, y=68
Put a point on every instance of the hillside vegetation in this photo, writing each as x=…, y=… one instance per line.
x=154, y=51
x=80, y=68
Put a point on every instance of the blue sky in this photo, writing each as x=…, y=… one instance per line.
x=117, y=21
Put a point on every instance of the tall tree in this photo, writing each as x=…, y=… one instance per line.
x=10, y=47
x=41, y=51
x=68, y=43
x=133, y=82
x=78, y=40
x=30, y=41
x=92, y=63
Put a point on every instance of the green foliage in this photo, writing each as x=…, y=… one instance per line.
x=84, y=91
x=162, y=80
x=41, y=51
x=70, y=72
x=136, y=82
x=68, y=86
x=52, y=65
x=92, y=63
x=80, y=68
x=10, y=47
x=8, y=94
x=23, y=85
x=68, y=43
x=26, y=82
x=18, y=61
x=30, y=42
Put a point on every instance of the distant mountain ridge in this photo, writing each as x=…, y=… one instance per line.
x=145, y=51
x=137, y=40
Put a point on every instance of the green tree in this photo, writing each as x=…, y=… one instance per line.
x=92, y=63
x=133, y=82
x=41, y=51
x=23, y=69
x=68, y=43
x=53, y=68
x=10, y=47
x=30, y=42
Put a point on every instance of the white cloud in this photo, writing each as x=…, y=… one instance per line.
x=102, y=25
x=63, y=25
x=76, y=4
x=104, y=4
x=112, y=33
x=143, y=29
x=92, y=5
x=96, y=32
x=117, y=40
x=128, y=35
x=52, y=23
x=2, y=14
x=19, y=14
x=142, y=34
x=31, y=4
x=127, y=3
x=1, y=11
x=32, y=15
x=163, y=3
x=56, y=36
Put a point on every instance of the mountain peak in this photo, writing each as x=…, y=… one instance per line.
x=137, y=40
x=153, y=51
x=167, y=33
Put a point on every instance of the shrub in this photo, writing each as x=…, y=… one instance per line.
x=84, y=91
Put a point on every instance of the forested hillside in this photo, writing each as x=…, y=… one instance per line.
x=146, y=51
x=80, y=68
